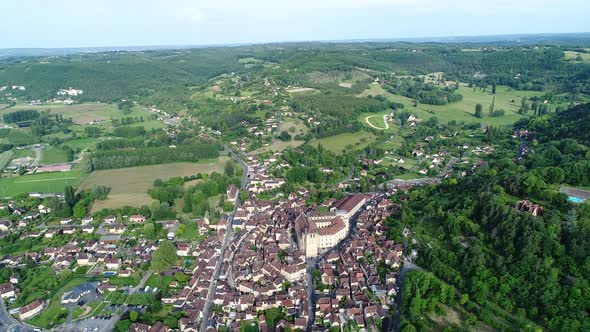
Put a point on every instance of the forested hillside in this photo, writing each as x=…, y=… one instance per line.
x=118, y=75
x=514, y=266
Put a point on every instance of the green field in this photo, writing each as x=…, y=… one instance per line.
x=346, y=141
x=129, y=186
x=84, y=114
x=506, y=99
x=572, y=55
x=83, y=143
x=5, y=158
x=53, y=155
x=43, y=182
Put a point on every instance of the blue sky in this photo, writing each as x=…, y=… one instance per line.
x=82, y=23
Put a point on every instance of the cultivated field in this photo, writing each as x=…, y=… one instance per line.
x=346, y=141
x=44, y=182
x=129, y=186
x=53, y=155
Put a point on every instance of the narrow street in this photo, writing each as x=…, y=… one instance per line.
x=226, y=239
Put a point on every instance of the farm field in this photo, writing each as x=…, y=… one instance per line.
x=43, y=182
x=86, y=113
x=53, y=155
x=5, y=158
x=463, y=110
x=345, y=141
x=129, y=186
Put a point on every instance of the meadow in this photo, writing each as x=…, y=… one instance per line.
x=129, y=186
x=507, y=99
x=53, y=155
x=573, y=55
x=345, y=141
x=87, y=113
x=43, y=182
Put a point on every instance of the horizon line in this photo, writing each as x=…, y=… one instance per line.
x=417, y=40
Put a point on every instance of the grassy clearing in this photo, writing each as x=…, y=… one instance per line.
x=83, y=143
x=42, y=182
x=129, y=186
x=346, y=141
x=506, y=99
x=277, y=146
x=53, y=155
x=48, y=317
x=293, y=126
x=573, y=56
x=376, y=121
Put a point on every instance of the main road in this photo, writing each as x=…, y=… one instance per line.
x=225, y=242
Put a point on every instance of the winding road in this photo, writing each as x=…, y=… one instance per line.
x=373, y=126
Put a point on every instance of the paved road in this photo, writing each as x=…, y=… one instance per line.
x=226, y=240
x=7, y=323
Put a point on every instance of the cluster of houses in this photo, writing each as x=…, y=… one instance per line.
x=266, y=265
x=359, y=281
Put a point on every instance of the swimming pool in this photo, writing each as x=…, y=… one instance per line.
x=575, y=199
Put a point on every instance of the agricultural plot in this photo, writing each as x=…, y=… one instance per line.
x=346, y=141
x=129, y=186
x=5, y=158
x=43, y=182
x=53, y=155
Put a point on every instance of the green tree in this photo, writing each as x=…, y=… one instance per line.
x=229, y=168
x=164, y=257
x=478, y=111
x=133, y=316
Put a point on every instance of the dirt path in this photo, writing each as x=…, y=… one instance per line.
x=380, y=128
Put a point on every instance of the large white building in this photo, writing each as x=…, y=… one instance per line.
x=317, y=232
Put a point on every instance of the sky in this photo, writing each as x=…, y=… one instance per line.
x=93, y=23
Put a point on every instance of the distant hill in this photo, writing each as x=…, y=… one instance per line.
x=565, y=39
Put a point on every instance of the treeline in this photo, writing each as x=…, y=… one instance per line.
x=20, y=116
x=114, y=144
x=425, y=93
x=151, y=156
x=129, y=131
